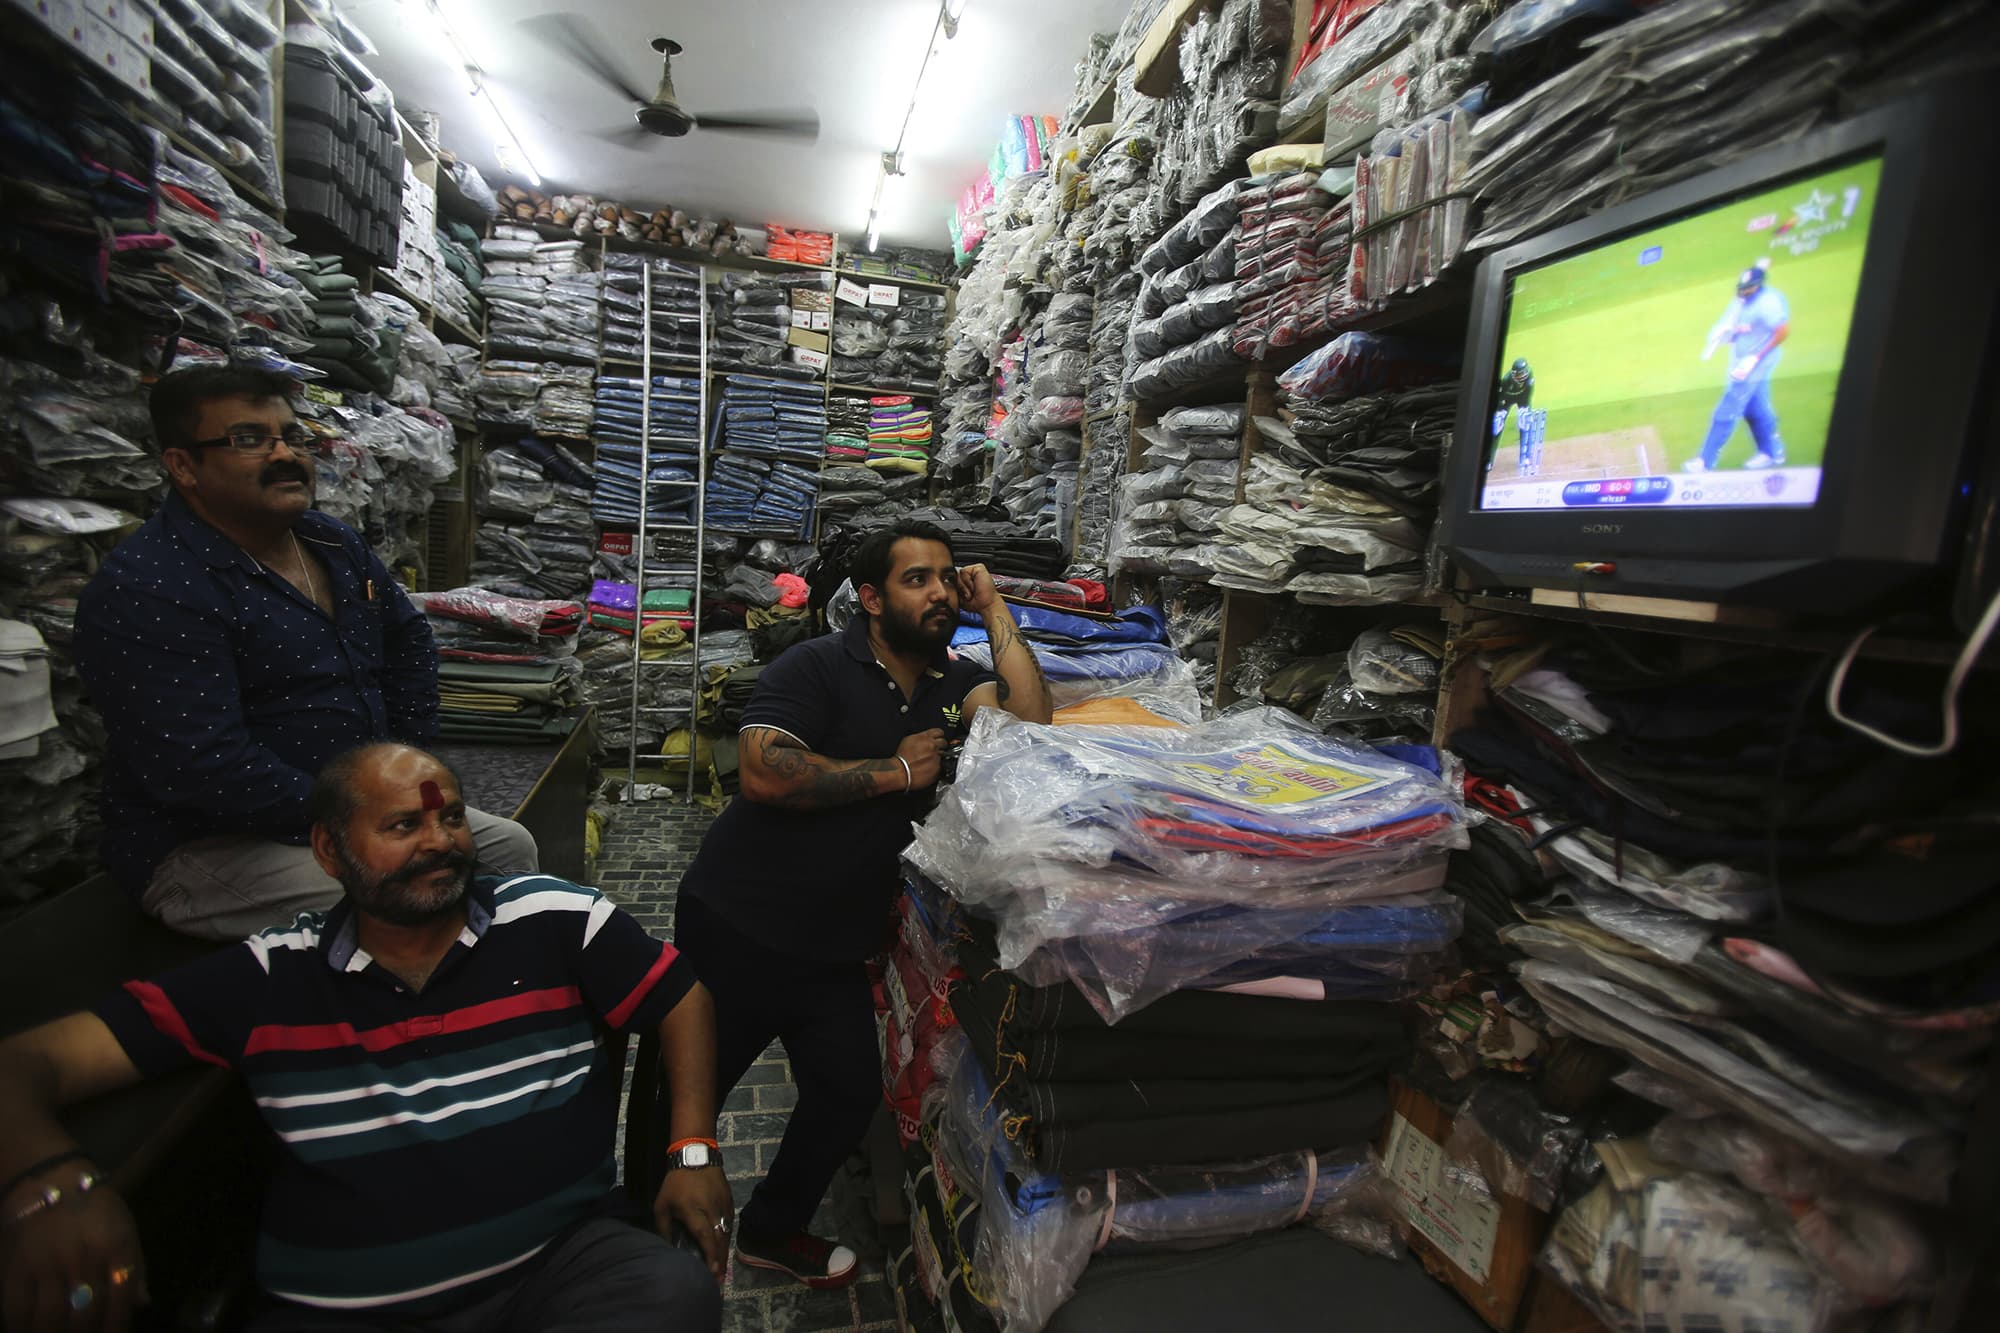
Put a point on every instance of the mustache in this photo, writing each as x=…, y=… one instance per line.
x=282, y=470
x=424, y=865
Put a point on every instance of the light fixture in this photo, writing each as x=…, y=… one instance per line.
x=513, y=157
x=891, y=169
x=953, y=11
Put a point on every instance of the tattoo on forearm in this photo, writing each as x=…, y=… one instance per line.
x=815, y=783
x=1008, y=636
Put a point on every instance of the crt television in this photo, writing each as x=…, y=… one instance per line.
x=1762, y=385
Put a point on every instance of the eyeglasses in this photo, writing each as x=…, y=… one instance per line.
x=257, y=444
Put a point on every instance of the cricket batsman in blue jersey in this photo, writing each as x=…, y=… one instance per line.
x=1753, y=327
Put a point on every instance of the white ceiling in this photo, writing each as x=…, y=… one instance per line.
x=853, y=61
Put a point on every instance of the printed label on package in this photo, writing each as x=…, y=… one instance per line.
x=1460, y=1224
x=882, y=293
x=802, y=319
x=324, y=397
x=1272, y=775
x=851, y=292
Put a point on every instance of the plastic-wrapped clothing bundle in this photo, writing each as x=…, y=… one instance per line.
x=1096, y=838
x=764, y=479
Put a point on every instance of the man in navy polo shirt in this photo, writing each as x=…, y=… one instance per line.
x=234, y=644
x=430, y=1054
x=842, y=744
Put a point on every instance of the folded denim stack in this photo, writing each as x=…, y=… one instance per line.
x=1130, y=1001
x=1169, y=511
x=769, y=440
x=751, y=324
x=676, y=304
x=672, y=455
x=899, y=435
x=1183, y=329
x=1291, y=263
x=891, y=347
x=543, y=300
x=1832, y=1023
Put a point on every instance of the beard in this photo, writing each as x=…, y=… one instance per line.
x=921, y=635
x=395, y=897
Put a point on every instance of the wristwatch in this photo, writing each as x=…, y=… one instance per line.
x=692, y=1155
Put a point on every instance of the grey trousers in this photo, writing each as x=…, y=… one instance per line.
x=230, y=887
x=604, y=1277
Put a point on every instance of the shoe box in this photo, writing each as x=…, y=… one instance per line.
x=343, y=154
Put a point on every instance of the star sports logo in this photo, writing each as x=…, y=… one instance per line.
x=1814, y=208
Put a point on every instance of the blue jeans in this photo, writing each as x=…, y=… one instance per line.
x=1749, y=401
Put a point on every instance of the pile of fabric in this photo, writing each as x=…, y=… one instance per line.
x=1170, y=508
x=897, y=346
x=212, y=83
x=542, y=298
x=534, y=538
x=1337, y=506
x=671, y=456
x=1291, y=263
x=767, y=442
x=456, y=289
x=1126, y=1010
x=1183, y=330
x=354, y=344
x=1225, y=106
x=797, y=247
x=1821, y=1037
x=1088, y=651
x=899, y=435
x=507, y=702
x=476, y=625
x=848, y=417
x=674, y=290
x=750, y=324
x=899, y=261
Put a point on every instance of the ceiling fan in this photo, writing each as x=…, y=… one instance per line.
x=660, y=115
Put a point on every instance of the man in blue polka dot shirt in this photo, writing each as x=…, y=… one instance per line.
x=234, y=644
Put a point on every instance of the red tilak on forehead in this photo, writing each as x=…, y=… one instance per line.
x=433, y=798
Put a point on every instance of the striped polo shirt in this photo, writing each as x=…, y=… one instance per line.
x=433, y=1141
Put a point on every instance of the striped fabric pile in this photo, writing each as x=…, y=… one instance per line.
x=847, y=422
x=899, y=435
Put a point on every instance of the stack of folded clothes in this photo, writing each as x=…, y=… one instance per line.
x=615, y=607
x=672, y=455
x=1170, y=507
x=460, y=276
x=542, y=299
x=535, y=536
x=751, y=323
x=847, y=420
x=1291, y=263
x=675, y=294
x=564, y=407
x=1084, y=655
x=1180, y=947
x=476, y=625
x=353, y=346
x=1799, y=951
x=994, y=542
x=891, y=347
x=764, y=474
x=899, y=435
x=664, y=690
x=1184, y=325
x=516, y=703
x=1337, y=506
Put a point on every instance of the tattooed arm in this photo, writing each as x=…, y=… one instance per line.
x=1022, y=688
x=777, y=769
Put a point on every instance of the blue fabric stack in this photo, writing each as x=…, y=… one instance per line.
x=768, y=442
x=673, y=458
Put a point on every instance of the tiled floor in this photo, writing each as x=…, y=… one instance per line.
x=646, y=849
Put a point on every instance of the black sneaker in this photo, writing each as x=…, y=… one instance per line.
x=816, y=1262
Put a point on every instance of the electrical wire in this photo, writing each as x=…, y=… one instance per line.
x=1954, y=684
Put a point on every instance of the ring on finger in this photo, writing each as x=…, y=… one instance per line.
x=81, y=1296
x=121, y=1275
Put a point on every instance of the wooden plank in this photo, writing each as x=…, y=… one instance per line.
x=1158, y=63
x=1245, y=615
x=1656, y=608
x=1461, y=680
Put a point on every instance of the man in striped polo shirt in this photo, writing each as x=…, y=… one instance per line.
x=430, y=1053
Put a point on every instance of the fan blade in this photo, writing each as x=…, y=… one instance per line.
x=794, y=124
x=577, y=39
x=629, y=135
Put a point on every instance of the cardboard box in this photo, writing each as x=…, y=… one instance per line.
x=811, y=298
x=812, y=342
x=851, y=292
x=802, y=356
x=1482, y=1248
x=884, y=294
x=130, y=19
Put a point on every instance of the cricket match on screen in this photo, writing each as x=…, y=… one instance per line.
x=1693, y=364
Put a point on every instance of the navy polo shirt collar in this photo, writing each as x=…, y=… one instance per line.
x=862, y=649
x=216, y=550
x=343, y=951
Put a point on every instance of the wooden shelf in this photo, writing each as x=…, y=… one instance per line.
x=443, y=324
x=890, y=278
x=1102, y=104
x=1770, y=633
x=882, y=393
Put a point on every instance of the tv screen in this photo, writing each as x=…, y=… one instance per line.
x=1691, y=364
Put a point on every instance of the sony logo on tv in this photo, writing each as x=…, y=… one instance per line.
x=1602, y=529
